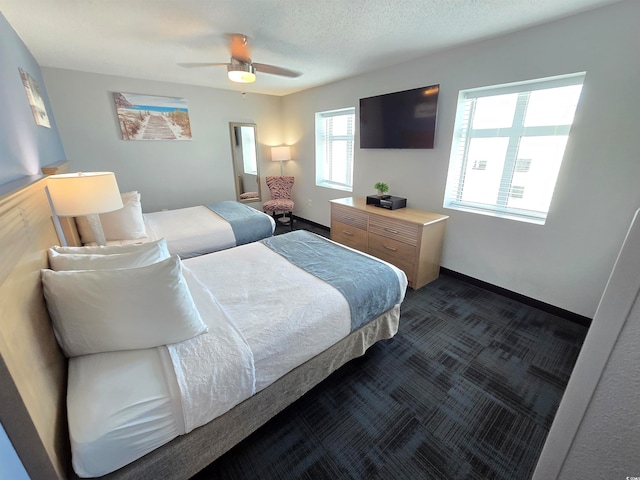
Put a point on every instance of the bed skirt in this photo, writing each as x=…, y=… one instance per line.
x=187, y=454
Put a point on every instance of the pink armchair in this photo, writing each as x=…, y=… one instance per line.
x=280, y=189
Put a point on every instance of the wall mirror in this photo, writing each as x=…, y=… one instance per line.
x=246, y=170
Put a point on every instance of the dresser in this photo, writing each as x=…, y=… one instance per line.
x=408, y=238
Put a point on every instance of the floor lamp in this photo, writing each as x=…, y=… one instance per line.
x=85, y=194
x=281, y=154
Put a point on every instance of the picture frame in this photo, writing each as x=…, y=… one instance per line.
x=152, y=117
x=34, y=97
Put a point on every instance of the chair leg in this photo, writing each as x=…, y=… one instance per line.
x=291, y=221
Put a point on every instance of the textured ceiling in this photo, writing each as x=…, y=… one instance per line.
x=326, y=40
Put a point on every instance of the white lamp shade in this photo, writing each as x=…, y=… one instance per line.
x=241, y=72
x=281, y=154
x=84, y=193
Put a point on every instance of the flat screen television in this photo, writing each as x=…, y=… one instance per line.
x=404, y=119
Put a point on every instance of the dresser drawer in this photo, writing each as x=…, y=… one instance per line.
x=394, y=229
x=349, y=216
x=392, y=248
x=349, y=235
x=399, y=254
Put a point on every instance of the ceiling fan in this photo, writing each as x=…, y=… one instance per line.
x=241, y=69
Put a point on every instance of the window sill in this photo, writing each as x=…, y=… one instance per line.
x=497, y=214
x=334, y=186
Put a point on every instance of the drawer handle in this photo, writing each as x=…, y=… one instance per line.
x=392, y=231
x=390, y=248
x=347, y=233
x=349, y=218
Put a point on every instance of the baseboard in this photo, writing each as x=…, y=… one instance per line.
x=545, y=307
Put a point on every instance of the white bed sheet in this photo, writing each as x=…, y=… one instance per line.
x=123, y=405
x=120, y=407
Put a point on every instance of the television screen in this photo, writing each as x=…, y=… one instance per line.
x=404, y=119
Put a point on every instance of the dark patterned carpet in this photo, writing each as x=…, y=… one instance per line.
x=466, y=390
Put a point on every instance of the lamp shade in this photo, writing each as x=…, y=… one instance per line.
x=84, y=193
x=281, y=154
x=241, y=72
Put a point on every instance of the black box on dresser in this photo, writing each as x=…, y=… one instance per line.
x=387, y=201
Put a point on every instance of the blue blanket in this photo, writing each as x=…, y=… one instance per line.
x=370, y=287
x=248, y=224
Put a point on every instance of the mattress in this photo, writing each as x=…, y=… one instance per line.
x=271, y=317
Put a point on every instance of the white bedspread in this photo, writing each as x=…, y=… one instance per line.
x=286, y=315
x=215, y=370
x=190, y=231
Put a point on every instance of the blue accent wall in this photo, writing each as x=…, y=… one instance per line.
x=10, y=465
x=24, y=146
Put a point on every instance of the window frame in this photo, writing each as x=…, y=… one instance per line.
x=323, y=177
x=464, y=133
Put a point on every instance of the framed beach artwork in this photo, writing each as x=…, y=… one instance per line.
x=149, y=117
x=35, y=99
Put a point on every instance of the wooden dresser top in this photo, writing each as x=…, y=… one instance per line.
x=407, y=214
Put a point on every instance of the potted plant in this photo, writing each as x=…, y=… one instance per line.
x=382, y=188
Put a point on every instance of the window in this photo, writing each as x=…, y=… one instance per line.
x=334, y=149
x=508, y=145
x=517, y=191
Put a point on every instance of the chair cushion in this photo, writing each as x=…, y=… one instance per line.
x=278, y=205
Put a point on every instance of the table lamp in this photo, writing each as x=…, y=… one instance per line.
x=85, y=194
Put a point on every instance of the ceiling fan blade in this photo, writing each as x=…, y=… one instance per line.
x=273, y=70
x=197, y=65
x=239, y=46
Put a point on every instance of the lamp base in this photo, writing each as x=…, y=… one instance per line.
x=96, y=228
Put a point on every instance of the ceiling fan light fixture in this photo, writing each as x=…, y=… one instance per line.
x=241, y=72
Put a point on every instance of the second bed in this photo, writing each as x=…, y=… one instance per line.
x=189, y=231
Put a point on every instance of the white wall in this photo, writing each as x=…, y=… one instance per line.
x=607, y=444
x=169, y=174
x=596, y=431
x=565, y=262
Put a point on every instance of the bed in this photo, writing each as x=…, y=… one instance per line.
x=226, y=283
x=189, y=231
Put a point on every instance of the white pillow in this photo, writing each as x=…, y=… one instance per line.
x=107, y=249
x=108, y=310
x=124, y=224
x=65, y=258
x=140, y=256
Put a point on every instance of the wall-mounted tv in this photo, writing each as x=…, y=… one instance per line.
x=404, y=119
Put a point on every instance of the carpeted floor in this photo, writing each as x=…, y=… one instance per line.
x=467, y=389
